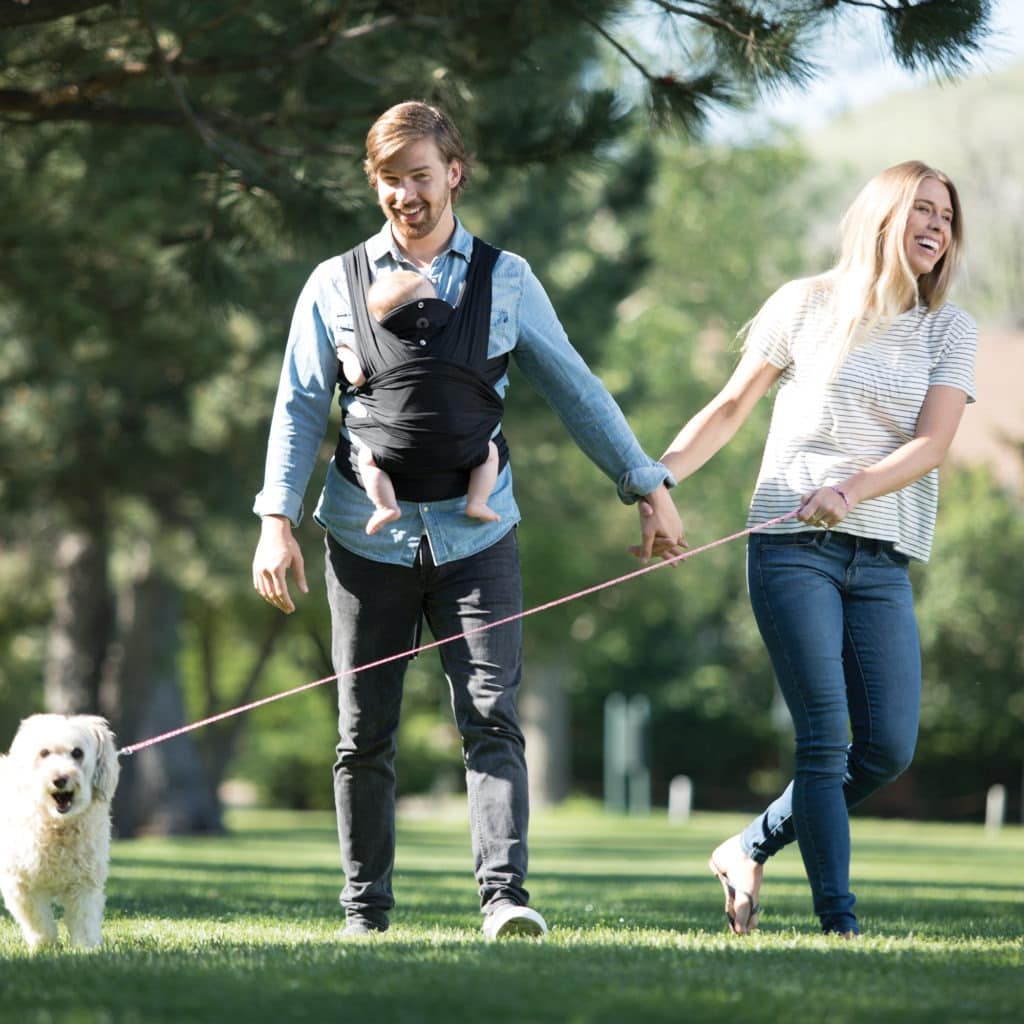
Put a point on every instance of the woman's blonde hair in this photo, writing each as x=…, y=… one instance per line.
x=872, y=282
x=409, y=122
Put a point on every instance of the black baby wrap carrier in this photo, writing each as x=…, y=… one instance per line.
x=429, y=399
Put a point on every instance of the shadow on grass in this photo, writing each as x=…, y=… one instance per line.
x=245, y=928
x=590, y=980
x=682, y=902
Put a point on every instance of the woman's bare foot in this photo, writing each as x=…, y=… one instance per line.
x=380, y=517
x=741, y=877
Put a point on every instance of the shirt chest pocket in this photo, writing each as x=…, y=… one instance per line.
x=503, y=337
x=342, y=329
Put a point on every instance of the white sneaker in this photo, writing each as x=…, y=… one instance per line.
x=510, y=920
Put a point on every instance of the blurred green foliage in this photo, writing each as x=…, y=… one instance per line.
x=154, y=235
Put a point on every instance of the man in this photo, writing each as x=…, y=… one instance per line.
x=433, y=561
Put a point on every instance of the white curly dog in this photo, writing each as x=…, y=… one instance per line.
x=56, y=784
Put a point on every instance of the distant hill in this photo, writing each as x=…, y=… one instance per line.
x=947, y=125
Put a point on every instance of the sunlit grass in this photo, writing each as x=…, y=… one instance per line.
x=245, y=928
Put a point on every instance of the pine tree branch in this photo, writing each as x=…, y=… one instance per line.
x=604, y=34
x=711, y=20
x=69, y=93
x=324, y=39
x=883, y=6
x=201, y=128
x=39, y=107
x=77, y=101
x=14, y=13
x=213, y=23
x=242, y=152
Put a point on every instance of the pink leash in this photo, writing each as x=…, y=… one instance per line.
x=135, y=747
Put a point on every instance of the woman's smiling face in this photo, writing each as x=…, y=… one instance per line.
x=929, y=226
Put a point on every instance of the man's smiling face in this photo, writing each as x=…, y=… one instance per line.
x=414, y=189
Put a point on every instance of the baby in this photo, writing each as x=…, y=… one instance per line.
x=385, y=296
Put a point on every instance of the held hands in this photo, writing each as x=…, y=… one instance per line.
x=661, y=529
x=826, y=507
x=277, y=551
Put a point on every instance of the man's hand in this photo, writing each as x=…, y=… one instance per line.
x=661, y=529
x=277, y=552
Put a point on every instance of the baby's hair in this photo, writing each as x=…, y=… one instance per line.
x=395, y=289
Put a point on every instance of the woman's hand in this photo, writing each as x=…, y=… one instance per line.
x=826, y=507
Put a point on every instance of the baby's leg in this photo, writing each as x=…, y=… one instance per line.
x=381, y=491
x=481, y=483
x=350, y=366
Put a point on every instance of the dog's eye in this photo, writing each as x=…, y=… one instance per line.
x=77, y=754
x=44, y=753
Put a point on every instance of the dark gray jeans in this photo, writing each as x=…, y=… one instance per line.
x=376, y=609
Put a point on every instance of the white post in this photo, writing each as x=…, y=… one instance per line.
x=995, y=808
x=680, y=799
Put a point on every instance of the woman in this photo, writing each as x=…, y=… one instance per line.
x=874, y=368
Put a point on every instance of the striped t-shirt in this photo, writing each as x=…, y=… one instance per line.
x=823, y=430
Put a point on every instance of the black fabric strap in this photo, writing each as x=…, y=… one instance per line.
x=429, y=395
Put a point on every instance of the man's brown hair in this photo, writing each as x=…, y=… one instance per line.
x=409, y=122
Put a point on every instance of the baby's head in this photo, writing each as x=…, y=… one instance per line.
x=390, y=291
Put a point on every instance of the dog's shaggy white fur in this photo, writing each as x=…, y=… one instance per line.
x=56, y=785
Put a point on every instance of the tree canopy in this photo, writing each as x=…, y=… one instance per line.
x=172, y=171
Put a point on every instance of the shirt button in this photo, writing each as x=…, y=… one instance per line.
x=426, y=508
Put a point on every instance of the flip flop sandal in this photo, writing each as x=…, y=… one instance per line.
x=730, y=901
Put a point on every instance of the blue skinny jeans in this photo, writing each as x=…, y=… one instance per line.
x=837, y=616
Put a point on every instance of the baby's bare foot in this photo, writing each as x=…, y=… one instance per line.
x=380, y=517
x=478, y=510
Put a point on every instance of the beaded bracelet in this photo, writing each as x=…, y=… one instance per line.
x=846, y=500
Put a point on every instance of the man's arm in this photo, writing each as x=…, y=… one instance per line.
x=301, y=411
x=592, y=417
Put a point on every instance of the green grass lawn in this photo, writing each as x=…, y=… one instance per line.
x=245, y=928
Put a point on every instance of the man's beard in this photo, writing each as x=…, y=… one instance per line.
x=430, y=217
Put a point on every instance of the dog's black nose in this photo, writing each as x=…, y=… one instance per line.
x=60, y=782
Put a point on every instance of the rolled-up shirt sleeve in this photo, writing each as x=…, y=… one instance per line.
x=957, y=353
x=593, y=418
x=302, y=408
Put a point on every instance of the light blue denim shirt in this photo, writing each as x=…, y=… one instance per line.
x=523, y=324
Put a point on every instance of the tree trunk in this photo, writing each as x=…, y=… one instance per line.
x=544, y=710
x=82, y=622
x=163, y=788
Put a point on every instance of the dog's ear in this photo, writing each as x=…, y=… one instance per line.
x=104, y=778
x=24, y=736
